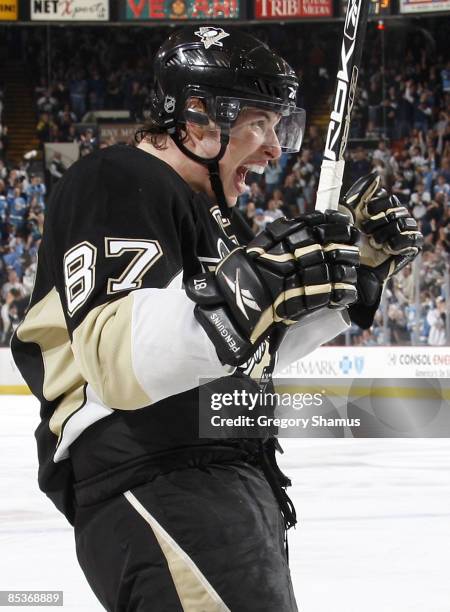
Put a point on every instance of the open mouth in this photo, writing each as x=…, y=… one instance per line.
x=241, y=175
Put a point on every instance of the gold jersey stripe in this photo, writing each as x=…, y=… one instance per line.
x=45, y=325
x=102, y=345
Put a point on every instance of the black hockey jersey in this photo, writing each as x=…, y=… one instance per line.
x=109, y=328
x=109, y=343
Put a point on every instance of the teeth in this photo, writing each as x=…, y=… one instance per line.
x=256, y=168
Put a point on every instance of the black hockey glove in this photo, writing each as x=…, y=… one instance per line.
x=390, y=240
x=293, y=267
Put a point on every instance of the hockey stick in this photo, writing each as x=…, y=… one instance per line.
x=332, y=169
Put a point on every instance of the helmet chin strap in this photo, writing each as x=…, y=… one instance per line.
x=212, y=165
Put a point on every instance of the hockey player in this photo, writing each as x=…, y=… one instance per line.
x=147, y=281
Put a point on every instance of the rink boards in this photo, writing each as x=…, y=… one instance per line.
x=389, y=362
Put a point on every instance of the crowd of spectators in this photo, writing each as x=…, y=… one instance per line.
x=4, y=138
x=92, y=69
x=401, y=128
x=22, y=208
x=421, y=182
x=98, y=69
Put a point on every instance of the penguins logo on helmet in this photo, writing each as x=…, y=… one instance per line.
x=211, y=36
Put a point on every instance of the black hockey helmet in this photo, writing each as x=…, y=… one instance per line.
x=209, y=62
x=229, y=71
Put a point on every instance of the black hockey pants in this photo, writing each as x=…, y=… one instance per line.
x=197, y=539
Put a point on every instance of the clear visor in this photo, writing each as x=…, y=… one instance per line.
x=258, y=124
x=272, y=124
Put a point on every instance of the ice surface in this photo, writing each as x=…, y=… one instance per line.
x=373, y=536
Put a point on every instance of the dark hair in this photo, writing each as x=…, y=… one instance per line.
x=153, y=133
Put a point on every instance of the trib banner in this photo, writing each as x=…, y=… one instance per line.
x=293, y=9
x=136, y=10
x=69, y=10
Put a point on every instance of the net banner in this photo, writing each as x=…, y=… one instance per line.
x=424, y=6
x=73, y=10
x=293, y=9
x=137, y=10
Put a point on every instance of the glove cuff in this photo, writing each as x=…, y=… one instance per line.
x=363, y=315
x=370, y=289
x=231, y=346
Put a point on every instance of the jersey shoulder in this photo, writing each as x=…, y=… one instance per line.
x=120, y=180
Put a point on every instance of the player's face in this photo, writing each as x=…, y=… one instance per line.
x=253, y=143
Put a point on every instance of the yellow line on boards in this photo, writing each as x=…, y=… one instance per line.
x=14, y=390
x=383, y=392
